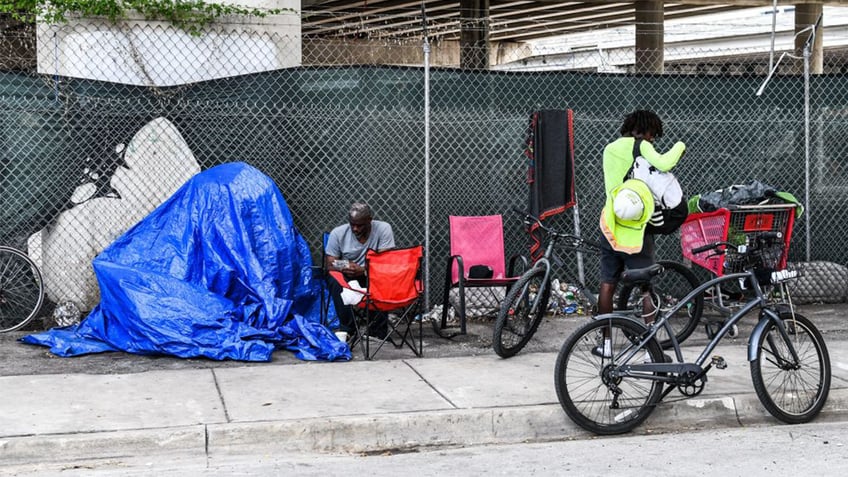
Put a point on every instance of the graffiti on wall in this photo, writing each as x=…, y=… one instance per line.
x=111, y=195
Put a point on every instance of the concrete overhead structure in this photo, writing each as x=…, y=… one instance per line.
x=807, y=14
x=477, y=34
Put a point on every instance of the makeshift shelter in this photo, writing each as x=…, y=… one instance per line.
x=217, y=271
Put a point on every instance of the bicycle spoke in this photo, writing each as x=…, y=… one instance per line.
x=793, y=391
x=586, y=386
x=515, y=323
x=20, y=289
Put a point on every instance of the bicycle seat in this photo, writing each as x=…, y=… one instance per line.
x=641, y=275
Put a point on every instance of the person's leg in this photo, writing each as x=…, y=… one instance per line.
x=605, y=297
x=611, y=265
x=645, y=258
x=649, y=308
x=379, y=325
x=347, y=321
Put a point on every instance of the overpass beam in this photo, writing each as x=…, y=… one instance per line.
x=474, y=34
x=806, y=14
x=649, y=36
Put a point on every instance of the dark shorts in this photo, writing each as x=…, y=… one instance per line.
x=613, y=263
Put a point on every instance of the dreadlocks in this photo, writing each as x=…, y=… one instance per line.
x=640, y=122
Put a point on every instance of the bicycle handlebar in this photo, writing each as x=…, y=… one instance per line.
x=709, y=246
x=759, y=239
x=524, y=213
x=770, y=235
x=575, y=241
x=530, y=217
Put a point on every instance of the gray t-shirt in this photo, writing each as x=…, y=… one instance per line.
x=343, y=244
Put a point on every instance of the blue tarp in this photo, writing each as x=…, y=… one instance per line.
x=217, y=271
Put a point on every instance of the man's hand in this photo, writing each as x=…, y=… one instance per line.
x=353, y=269
x=350, y=270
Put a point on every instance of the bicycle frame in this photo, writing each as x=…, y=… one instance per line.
x=550, y=254
x=697, y=367
x=576, y=244
x=526, y=302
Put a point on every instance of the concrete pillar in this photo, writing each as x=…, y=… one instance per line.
x=474, y=35
x=649, y=36
x=806, y=14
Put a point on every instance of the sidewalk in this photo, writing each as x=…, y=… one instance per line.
x=353, y=406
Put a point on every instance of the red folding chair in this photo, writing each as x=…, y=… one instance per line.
x=474, y=240
x=394, y=287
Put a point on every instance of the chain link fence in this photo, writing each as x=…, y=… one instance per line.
x=98, y=125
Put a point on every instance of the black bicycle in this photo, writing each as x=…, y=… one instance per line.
x=21, y=289
x=527, y=300
x=610, y=372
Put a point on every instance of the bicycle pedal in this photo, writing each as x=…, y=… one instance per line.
x=719, y=362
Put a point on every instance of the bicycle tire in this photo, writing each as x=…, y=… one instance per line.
x=675, y=282
x=514, y=326
x=584, y=388
x=21, y=289
x=794, y=396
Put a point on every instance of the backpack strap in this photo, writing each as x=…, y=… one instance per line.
x=637, y=151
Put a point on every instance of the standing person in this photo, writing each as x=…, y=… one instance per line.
x=345, y=252
x=629, y=207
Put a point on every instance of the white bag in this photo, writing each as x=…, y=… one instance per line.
x=664, y=186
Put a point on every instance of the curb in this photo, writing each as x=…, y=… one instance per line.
x=396, y=432
x=407, y=431
x=94, y=445
x=738, y=410
x=390, y=432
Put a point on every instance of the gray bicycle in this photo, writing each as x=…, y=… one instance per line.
x=611, y=372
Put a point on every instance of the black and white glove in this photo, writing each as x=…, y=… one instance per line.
x=657, y=219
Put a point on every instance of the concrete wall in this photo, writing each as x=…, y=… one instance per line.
x=153, y=53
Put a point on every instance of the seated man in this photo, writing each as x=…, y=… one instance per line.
x=345, y=253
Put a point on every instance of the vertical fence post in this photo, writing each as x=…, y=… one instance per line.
x=807, y=52
x=575, y=212
x=426, y=48
x=807, y=141
x=773, y=34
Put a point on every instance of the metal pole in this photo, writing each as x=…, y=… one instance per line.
x=426, y=47
x=806, y=54
x=807, y=142
x=773, y=29
x=576, y=213
x=808, y=45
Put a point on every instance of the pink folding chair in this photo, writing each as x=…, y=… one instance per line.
x=474, y=240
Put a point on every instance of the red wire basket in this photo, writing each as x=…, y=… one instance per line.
x=736, y=225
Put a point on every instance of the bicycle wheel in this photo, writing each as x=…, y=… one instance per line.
x=21, y=289
x=793, y=393
x=514, y=325
x=671, y=286
x=590, y=396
